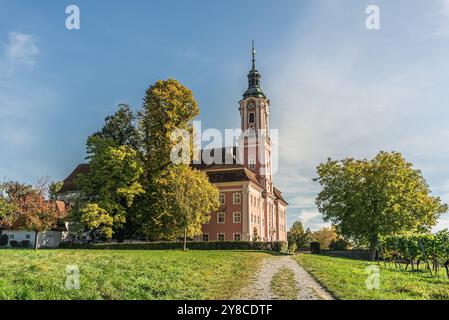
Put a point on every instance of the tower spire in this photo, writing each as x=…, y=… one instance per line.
x=254, y=76
x=254, y=56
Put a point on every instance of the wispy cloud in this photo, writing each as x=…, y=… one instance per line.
x=21, y=48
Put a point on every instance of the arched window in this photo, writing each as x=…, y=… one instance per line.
x=251, y=117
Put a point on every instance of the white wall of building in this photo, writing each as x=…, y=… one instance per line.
x=46, y=239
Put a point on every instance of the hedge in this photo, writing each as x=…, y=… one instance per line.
x=278, y=246
x=315, y=247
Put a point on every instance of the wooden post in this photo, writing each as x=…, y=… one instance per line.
x=425, y=256
x=185, y=238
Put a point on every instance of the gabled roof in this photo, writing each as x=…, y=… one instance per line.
x=69, y=182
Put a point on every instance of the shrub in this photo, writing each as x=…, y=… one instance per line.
x=339, y=244
x=25, y=243
x=279, y=246
x=14, y=244
x=315, y=247
x=293, y=247
x=4, y=240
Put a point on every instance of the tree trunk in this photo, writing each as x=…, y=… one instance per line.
x=36, y=234
x=185, y=238
x=373, y=248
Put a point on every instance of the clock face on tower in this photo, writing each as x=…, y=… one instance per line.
x=251, y=106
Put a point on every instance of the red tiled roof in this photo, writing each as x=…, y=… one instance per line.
x=69, y=182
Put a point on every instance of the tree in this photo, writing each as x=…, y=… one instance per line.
x=112, y=183
x=297, y=235
x=176, y=196
x=120, y=127
x=54, y=189
x=96, y=218
x=367, y=199
x=256, y=236
x=324, y=236
x=26, y=208
x=184, y=199
x=168, y=106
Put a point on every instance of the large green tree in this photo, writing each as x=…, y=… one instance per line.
x=168, y=107
x=111, y=185
x=177, y=196
x=134, y=188
x=120, y=128
x=366, y=199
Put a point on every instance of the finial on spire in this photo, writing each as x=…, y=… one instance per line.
x=254, y=56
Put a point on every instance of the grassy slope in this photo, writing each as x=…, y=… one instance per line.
x=283, y=285
x=345, y=279
x=25, y=274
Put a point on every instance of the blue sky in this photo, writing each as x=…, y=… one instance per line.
x=337, y=89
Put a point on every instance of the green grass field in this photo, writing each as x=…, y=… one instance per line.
x=346, y=278
x=26, y=274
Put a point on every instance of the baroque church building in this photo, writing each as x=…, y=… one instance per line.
x=251, y=208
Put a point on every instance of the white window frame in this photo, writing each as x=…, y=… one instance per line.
x=224, y=217
x=218, y=237
x=234, y=214
x=237, y=233
x=252, y=162
x=238, y=196
x=222, y=196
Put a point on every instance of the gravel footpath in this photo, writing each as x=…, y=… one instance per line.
x=260, y=289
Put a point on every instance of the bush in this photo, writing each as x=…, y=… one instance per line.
x=14, y=244
x=279, y=246
x=315, y=247
x=339, y=244
x=4, y=240
x=293, y=247
x=25, y=243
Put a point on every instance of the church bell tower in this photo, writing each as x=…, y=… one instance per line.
x=255, y=124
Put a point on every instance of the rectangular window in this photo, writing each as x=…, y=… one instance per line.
x=221, y=218
x=237, y=217
x=237, y=199
x=220, y=236
x=205, y=237
x=252, y=163
x=237, y=237
x=11, y=236
x=28, y=236
x=222, y=198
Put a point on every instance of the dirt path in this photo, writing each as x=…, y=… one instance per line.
x=260, y=289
